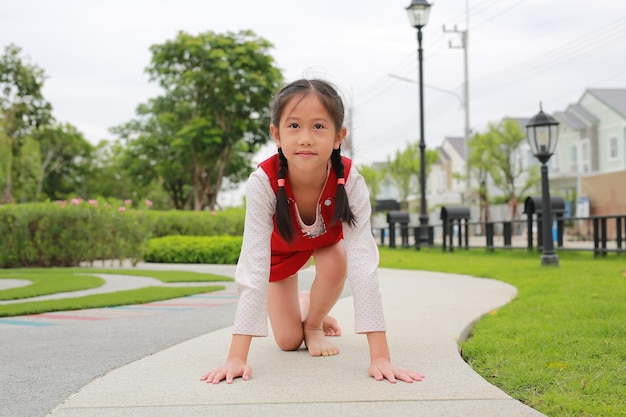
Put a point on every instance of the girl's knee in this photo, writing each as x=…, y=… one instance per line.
x=290, y=343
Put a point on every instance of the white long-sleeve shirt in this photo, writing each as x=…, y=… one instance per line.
x=253, y=268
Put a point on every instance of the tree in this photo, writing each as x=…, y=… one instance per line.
x=65, y=161
x=212, y=118
x=373, y=178
x=401, y=170
x=23, y=110
x=503, y=159
x=478, y=161
x=404, y=170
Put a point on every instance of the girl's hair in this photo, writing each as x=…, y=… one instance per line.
x=333, y=104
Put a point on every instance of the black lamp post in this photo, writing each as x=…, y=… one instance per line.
x=418, y=12
x=542, y=133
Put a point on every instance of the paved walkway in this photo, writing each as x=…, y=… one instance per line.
x=427, y=313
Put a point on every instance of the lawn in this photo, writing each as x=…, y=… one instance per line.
x=560, y=346
x=57, y=280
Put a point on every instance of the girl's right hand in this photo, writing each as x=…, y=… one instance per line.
x=228, y=372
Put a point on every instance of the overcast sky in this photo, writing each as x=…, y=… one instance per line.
x=521, y=52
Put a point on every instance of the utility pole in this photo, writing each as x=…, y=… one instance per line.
x=348, y=143
x=464, y=46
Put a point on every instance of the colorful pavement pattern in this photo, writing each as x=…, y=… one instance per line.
x=198, y=301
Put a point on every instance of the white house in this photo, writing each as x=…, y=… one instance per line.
x=592, y=142
x=592, y=138
x=446, y=182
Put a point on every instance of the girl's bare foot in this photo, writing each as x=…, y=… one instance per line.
x=330, y=325
x=317, y=344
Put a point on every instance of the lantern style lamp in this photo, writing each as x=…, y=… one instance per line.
x=542, y=134
x=418, y=12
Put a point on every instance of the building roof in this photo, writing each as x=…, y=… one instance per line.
x=443, y=155
x=582, y=113
x=458, y=143
x=570, y=119
x=615, y=98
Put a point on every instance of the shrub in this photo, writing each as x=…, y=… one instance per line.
x=194, y=249
x=68, y=233
x=62, y=234
x=198, y=223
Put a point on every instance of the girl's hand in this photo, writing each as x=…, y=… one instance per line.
x=383, y=369
x=228, y=372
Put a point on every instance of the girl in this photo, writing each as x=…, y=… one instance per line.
x=307, y=201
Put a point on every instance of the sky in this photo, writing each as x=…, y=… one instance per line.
x=520, y=53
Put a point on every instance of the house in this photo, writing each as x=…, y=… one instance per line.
x=592, y=137
x=590, y=159
x=446, y=183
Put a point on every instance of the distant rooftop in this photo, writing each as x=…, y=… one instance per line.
x=570, y=119
x=615, y=98
x=458, y=143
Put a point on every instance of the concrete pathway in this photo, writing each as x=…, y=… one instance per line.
x=427, y=314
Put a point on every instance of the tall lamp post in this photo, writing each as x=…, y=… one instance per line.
x=418, y=12
x=542, y=133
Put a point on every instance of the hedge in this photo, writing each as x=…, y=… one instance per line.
x=194, y=249
x=70, y=233
x=192, y=223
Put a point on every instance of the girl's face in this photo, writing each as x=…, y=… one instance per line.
x=306, y=133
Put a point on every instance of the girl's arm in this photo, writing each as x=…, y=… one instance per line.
x=236, y=365
x=362, y=275
x=380, y=361
x=252, y=278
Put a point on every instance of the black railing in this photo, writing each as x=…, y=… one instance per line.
x=606, y=234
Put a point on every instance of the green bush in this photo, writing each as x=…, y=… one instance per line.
x=68, y=233
x=194, y=249
x=197, y=223
x=62, y=234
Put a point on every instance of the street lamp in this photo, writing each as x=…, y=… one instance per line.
x=418, y=12
x=542, y=133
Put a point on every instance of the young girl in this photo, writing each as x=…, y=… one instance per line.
x=307, y=201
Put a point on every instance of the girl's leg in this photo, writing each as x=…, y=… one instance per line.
x=284, y=312
x=331, y=268
x=330, y=324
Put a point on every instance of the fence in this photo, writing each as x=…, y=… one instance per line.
x=518, y=234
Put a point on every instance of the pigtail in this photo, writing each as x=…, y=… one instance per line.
x=283, y=216
x=342, y=206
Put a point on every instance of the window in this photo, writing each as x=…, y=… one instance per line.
x=441, y=182
x=584, y=155
x=554, y=163
x=613, y=152
x=574, y=158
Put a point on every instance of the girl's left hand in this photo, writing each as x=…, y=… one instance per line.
x=384, y=369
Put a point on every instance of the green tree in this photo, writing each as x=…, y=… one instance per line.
x=65, y=162
x=23, y=110
x=401, y=170
x=501, y=147
x=478, y=168
x=373, y=179
x=404, y=169
x=212, y=117
x=109, y=176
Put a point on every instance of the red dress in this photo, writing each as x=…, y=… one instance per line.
x=288, y=258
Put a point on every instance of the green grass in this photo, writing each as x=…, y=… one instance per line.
x=120, y=298
x=58, y=280
x=560, y=346
x=46, y=281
